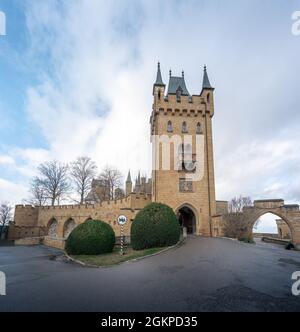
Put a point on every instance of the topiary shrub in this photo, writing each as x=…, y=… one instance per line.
x=289, y=246
x=93, y=237
x=155, y=225
x=247, y=239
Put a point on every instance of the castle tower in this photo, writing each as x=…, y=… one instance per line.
x=187, y=183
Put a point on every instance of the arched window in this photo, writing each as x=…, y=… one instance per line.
x=199, y=128
x=184, y=127
x=159, y=94
x=169, y=127
x=208, y=97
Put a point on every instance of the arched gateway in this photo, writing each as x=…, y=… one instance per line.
x=187, y=218
x=289, y=213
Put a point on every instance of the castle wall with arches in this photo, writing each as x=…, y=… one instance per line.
x=54, y=223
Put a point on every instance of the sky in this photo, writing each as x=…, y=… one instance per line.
x=76, y=79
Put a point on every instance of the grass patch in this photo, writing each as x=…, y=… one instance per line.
x=115, y=257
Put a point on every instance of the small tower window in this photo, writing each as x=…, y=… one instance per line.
x=199, y=129
x=169, y=127
x=184, y=127
x=208, y=98
x=158, y=95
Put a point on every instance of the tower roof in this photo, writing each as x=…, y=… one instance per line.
x=177, y=83
x=206, y=84
x=159, y=80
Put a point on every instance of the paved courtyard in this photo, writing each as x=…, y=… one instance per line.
x=204, y=274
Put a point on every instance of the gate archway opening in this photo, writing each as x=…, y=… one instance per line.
x=187, y=219
x=271, y=225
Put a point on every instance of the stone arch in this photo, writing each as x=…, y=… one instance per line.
x=69, y=225
x=259, y=213
x=188, y=217
x=52, y=228
x=88, y=219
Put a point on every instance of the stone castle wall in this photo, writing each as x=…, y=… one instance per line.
x=36, y=221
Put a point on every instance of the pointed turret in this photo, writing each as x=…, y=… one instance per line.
x=159, y=80
x=206, y=83
x=158, y=86
x=207, y=93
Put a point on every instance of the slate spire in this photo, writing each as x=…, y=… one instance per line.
x=206, y=84
x=159, y=80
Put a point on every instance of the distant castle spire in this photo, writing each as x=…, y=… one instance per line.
x=128, y=184
x=128, y=177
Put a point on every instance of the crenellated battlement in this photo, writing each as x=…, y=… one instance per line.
x=27, y=206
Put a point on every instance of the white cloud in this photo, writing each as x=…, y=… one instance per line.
x=261, y=169
x=12, y=192
x=6, y=160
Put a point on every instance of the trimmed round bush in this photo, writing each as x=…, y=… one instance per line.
x=155, y=225
x=94, y=237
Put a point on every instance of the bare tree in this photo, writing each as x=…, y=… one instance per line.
x=119, y=193
x=5, y=216
x=113, y=178
x=82, y=171
x=237, y=222
x=54, y=180
x=238, y=203
x=38, y=192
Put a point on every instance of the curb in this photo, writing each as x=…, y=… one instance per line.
x=178, y=244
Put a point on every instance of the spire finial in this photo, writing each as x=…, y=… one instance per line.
x=170, y=72
x=158, y=76
x=182, y=73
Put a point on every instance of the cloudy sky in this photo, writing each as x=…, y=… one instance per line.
x=76, y=78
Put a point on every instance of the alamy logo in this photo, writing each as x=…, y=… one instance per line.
x=2, y=24
x=296, y=284
x=179, y=153
x=296, y=24
x=2, y=283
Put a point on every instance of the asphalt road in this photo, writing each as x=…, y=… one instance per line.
x=204, y=274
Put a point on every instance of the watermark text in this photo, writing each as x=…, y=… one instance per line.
x=296, y=284
x=296, y=24
x=2, y=284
